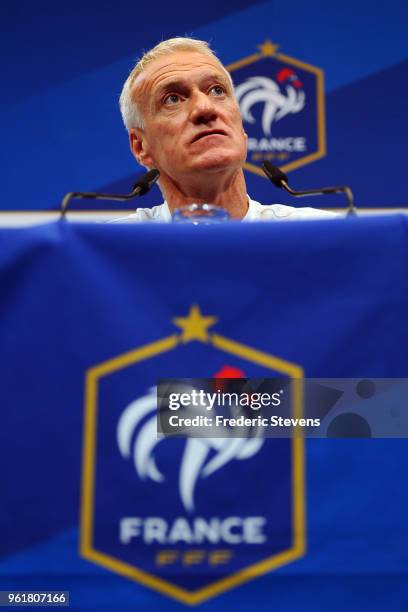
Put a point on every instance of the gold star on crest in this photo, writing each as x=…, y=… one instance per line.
x=268, y=48
x=194, y=326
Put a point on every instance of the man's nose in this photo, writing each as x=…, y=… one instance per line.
x=203, y=108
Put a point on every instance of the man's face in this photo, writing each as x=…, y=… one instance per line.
x=192, y=120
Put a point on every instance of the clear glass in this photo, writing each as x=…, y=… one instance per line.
x=196, y=214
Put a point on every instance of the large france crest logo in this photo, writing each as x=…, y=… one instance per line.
x=282, y=105
x=188, y=517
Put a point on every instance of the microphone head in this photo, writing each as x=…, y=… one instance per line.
x=146, y=181
x=274, y=174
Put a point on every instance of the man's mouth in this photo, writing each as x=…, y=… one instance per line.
x=208, y=133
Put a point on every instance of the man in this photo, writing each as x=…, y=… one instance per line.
x=179, y=108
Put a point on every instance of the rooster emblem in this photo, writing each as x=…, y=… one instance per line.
x=276, y=104
x=140, y=418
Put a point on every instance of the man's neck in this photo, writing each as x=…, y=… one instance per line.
x=229, y=194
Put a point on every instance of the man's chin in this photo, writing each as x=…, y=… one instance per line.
x=217, y=162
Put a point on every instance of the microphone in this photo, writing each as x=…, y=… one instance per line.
x=279, y=179
x=142, y=186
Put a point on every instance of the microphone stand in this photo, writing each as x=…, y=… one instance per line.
x=142, y=186
x=279, y=179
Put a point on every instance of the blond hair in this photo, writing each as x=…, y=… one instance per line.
x=131, y=114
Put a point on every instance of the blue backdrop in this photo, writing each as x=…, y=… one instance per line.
x=64, y=66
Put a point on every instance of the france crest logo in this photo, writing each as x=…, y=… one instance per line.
x=282, y=105
x=188, y=517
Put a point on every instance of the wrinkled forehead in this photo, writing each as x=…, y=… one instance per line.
x=186, y=65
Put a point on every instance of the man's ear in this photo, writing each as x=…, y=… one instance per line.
x=139, y=147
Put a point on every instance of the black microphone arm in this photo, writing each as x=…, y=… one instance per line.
x=279, y=179
x=142, y=186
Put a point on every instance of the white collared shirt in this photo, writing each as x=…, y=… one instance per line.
x=255, y=212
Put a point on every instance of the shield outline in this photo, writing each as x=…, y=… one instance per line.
x=86, y=548
x=269, y=49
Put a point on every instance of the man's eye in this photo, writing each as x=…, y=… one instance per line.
x=217, y=90
x=172, y=99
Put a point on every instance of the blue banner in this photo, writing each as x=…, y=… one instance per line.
x=94, y=503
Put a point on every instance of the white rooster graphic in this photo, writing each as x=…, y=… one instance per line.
x=277, y=104
x=194, y=462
